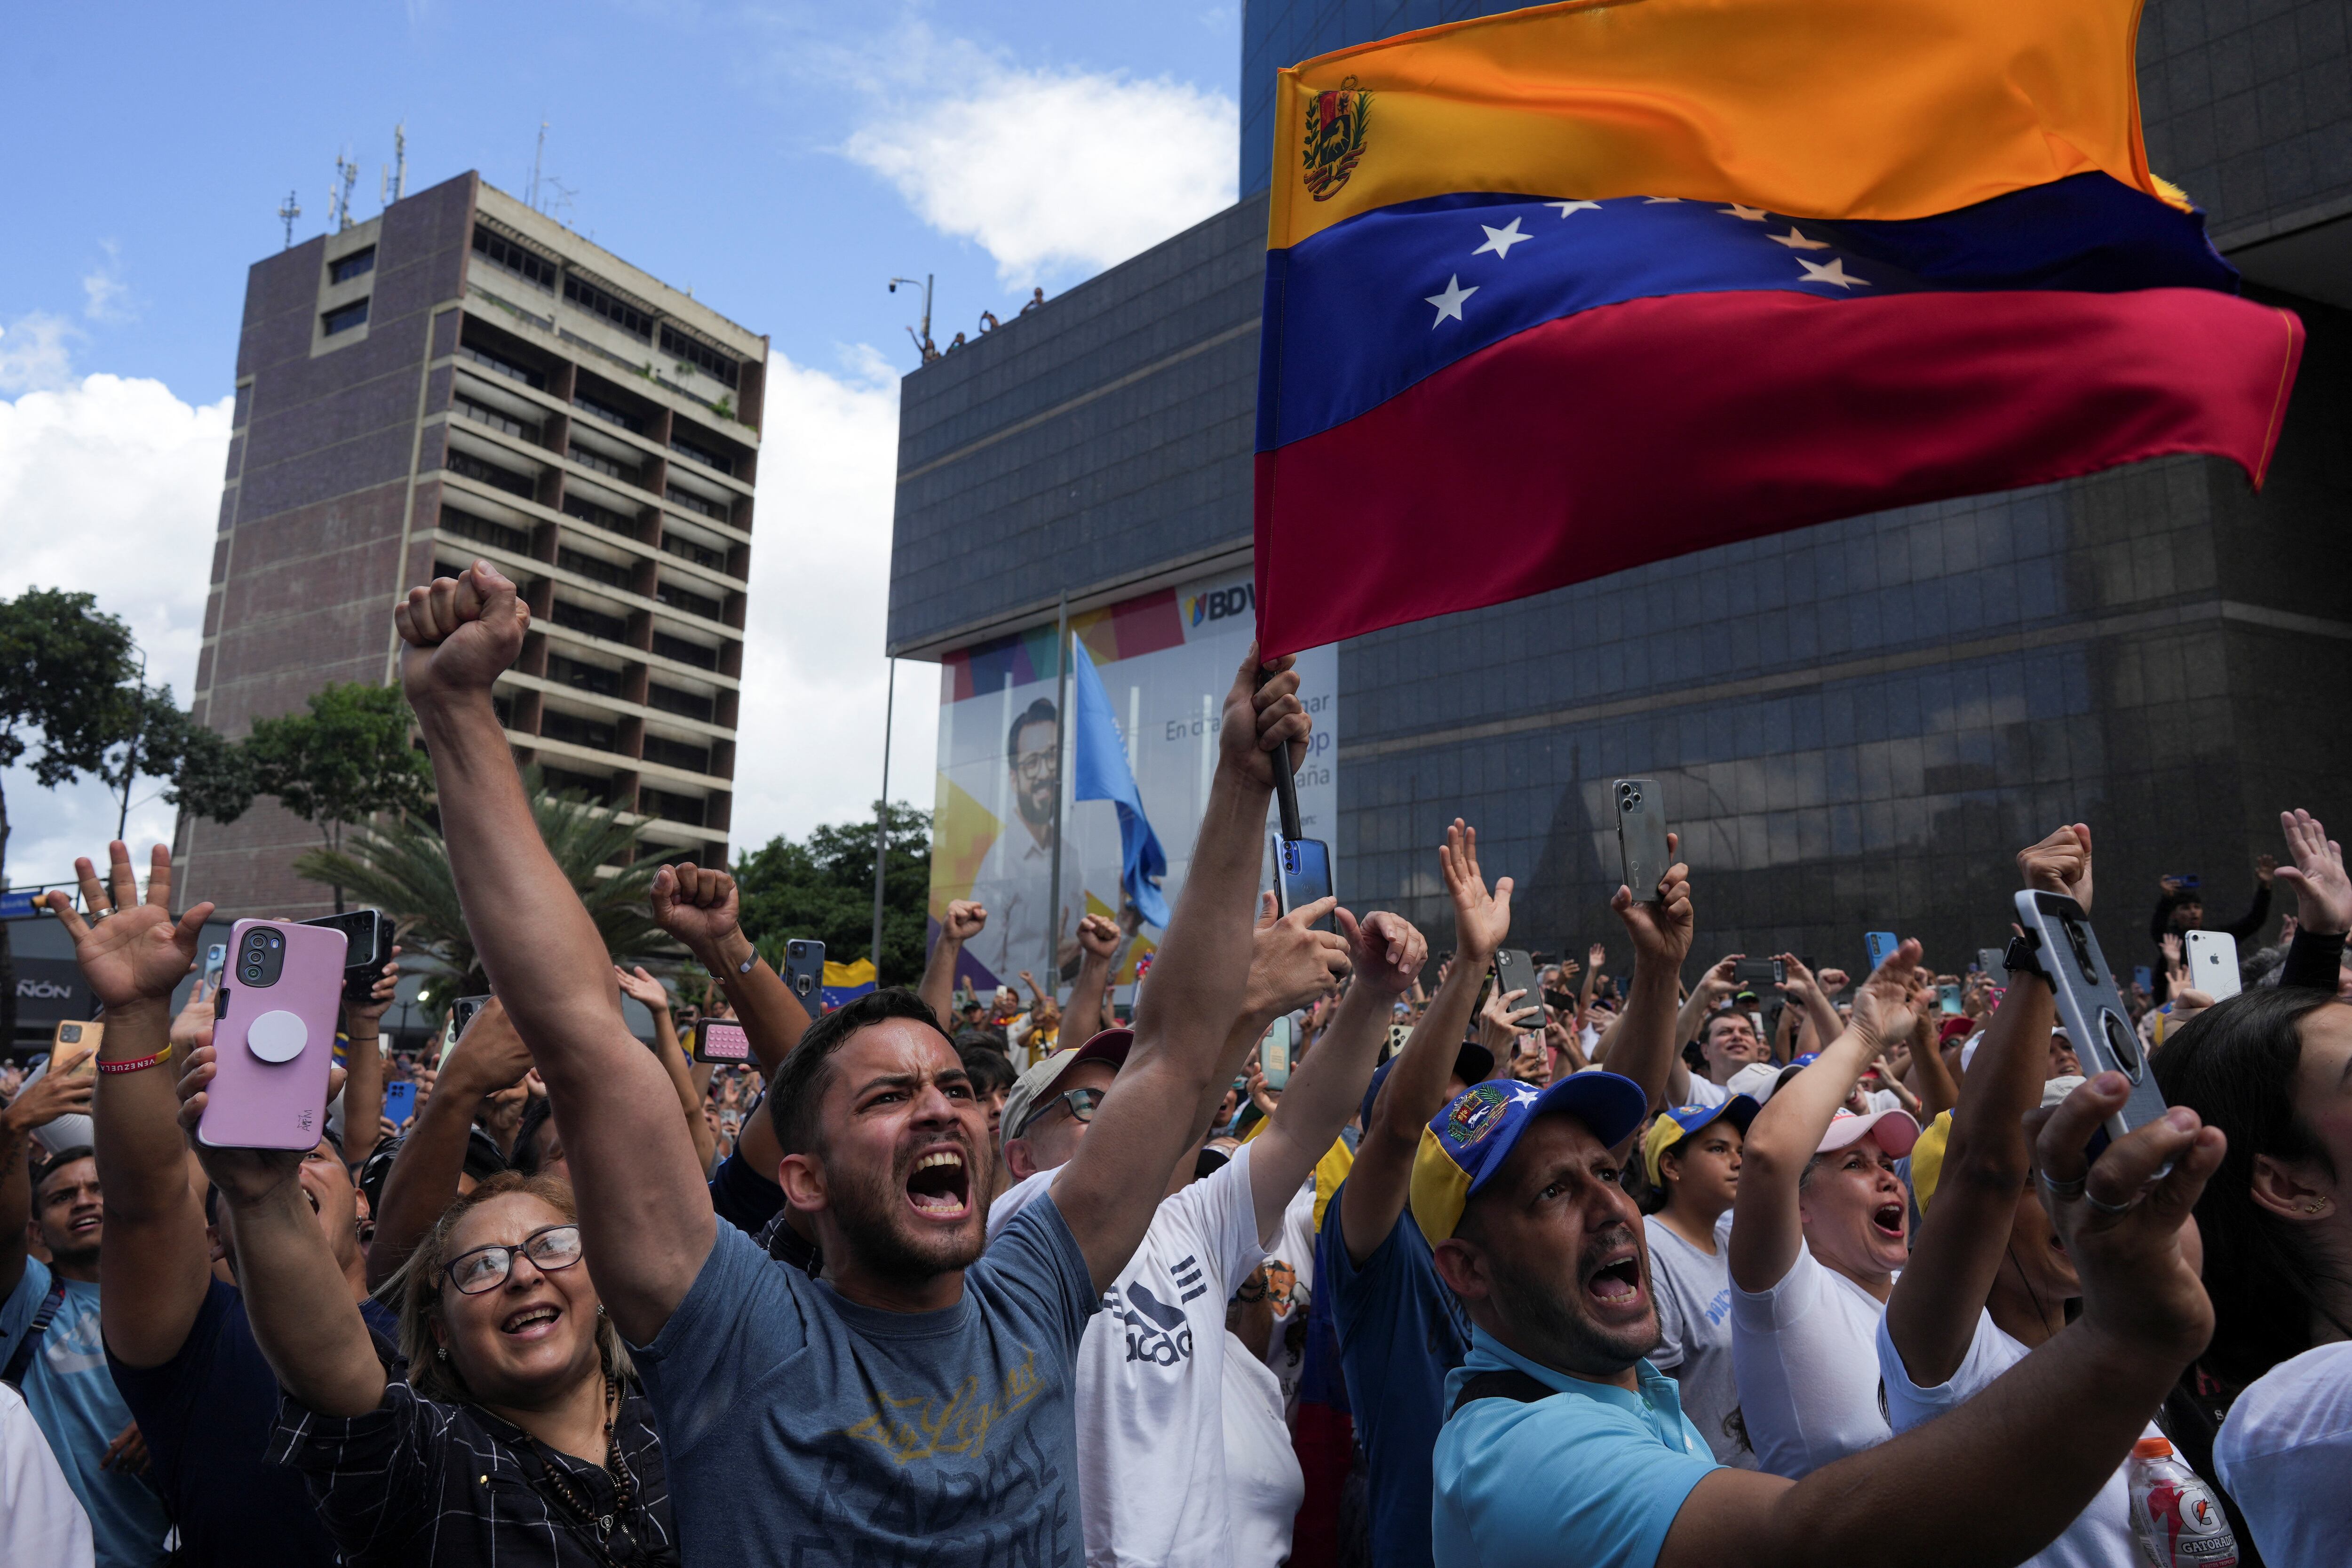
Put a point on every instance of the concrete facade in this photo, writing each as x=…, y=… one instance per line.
x=462, y=377
x=1855, y=725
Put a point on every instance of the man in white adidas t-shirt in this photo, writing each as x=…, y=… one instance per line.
x=1152, y=1484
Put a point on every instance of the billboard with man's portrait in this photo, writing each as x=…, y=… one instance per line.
x=1167, y=659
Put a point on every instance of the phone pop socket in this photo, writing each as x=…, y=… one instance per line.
x=277, y=1036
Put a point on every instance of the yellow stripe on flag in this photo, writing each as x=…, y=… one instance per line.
x=858, y=973
x=1856, y=109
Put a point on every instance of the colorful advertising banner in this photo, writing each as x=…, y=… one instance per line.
x=1165, y=660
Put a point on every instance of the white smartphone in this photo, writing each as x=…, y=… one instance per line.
x=2213, y=963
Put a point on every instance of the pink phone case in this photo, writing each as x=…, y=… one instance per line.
x=274, y=1043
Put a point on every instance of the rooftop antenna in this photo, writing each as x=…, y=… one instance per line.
x=339, y=204
x=536, y=153
x=393, y=183
x=288, y=211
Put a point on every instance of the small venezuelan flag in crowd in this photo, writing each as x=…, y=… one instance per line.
x=1560, y=292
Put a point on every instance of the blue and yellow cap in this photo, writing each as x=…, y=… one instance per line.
x=1465, y=1143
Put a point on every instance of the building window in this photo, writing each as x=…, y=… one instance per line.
x=691, y=604
x=342, y=321
x=588, y=565
x=608, y=414
x=505, y=367
x=597, y=302
x=703, y=455
x=482, y=531
x=603, y=517
x=583, y=677
x=678, y=648
x=580, y=619
x=670, y=700
x=494, y=419
x=474, y=467
x=670, y=807
x=679, y=346
x=524, y=264
x=573, y=730
x=678, y=754
x=357, y=264
x=693, y=502
x=596, y=787
x=602, y=464
x=685, y=549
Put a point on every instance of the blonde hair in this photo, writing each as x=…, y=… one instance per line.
x=417, y=1291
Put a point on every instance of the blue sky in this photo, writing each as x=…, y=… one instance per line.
x=784, y=160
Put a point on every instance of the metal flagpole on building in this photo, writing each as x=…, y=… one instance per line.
x=882, y=817
x=1061, y=730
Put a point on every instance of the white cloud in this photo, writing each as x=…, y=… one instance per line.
x=110, y=487
x=808, y=743
x=36, y=354
x=1053, y=171
x=105, y=296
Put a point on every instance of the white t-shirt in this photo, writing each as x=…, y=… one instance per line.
x=1694, y=1295
x=1806, y=1355
x=1262, y=1475
x=41, y=1520
x=2101, y=1535
x=2284, y=1453
x=1707, y=1093
x=1151, y=1429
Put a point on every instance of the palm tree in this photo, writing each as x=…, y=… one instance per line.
x=401, y=867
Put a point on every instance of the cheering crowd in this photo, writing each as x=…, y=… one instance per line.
x=1635, y=1273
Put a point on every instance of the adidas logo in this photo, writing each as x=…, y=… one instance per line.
x=1188, y=1281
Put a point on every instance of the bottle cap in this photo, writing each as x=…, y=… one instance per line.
x=2151, y=1449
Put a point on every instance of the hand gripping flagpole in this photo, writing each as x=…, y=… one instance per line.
x=1286, y=784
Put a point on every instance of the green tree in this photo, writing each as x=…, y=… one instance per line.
x=823, y=888
x=401, y=867
x=70, y=701
x=341, y=763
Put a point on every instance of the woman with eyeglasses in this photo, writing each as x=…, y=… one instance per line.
x=518, y=1435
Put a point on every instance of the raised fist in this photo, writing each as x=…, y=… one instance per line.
x=461, y=633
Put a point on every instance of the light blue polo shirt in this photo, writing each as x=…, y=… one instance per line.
x=1593, y=1476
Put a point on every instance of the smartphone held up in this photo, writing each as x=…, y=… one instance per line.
x=1642, y=835
x=274, y=1038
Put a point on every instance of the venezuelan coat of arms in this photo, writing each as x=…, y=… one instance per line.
x=1335, y=138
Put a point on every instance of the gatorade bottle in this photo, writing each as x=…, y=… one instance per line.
x=2174, y=1516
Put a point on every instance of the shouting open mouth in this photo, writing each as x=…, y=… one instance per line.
x=939, y=1187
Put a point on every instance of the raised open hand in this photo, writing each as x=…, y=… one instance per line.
x=700, y=908
x=1263, y=711
x=1662, y=930
x=2323, y=893
x=131, y=950
x=2121, y=1217
x=639, y=985
x=1481, y=920
x=1386, y=950
x=462, y=633
x=1887, y=1005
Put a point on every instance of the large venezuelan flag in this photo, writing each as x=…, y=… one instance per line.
x=1562, y=291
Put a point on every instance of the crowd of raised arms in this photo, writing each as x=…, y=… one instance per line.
x=1671, y=1268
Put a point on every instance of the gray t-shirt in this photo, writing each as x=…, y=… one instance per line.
x=801, y=1428
x=1693, y=1296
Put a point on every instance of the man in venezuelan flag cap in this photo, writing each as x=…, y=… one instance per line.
x=1562, y=1445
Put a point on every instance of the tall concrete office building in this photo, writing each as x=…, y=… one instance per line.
x=1854, y=724
x=463, y=377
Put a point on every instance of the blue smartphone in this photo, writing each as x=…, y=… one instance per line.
x=1881, y=946
x=1302, y=874
x=400, y=1100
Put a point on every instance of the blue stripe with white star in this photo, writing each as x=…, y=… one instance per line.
x=1365, y=309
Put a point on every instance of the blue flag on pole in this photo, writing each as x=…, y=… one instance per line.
x=1101, y=772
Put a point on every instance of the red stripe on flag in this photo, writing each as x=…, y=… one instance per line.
x=1640, y=431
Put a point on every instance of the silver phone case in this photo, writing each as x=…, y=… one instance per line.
x=2089, y=1005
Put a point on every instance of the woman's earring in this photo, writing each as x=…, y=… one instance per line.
x=600, y=1309
x=443, y=1352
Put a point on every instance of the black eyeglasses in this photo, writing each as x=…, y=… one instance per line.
x=1083, y=1104
x=481, y=1269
